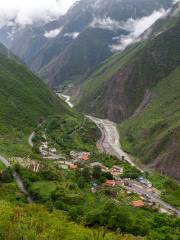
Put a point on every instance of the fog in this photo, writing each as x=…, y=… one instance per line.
x=24, y=12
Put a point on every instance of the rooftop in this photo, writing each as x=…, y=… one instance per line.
x=138, y=203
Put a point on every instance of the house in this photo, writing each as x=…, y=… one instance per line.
x=98, y=164
x=137, y=204
x=145, y=182
x=45, y=145
x=84, y=157
x=116, y=170
x=53, y=150
x=110, y=183
x=72, y=166
x=119, y=182
x=104, y=169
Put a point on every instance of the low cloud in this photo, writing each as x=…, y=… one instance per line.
x=27, y=12
x=136, y=27
x=53, y=33
x=176, y=1
x=106, y=23
x=73, y=35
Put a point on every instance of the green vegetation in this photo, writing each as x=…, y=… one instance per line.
x=72, y=133
x=24, y=100
x=151, y=133
x=98, y=212
x=110, y=161
x=170, y=190
x=35, y=222
x=70, y=191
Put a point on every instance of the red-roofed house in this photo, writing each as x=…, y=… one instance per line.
x=110, y=183
x=138, y=203
x=72, y=166
x=85, y=157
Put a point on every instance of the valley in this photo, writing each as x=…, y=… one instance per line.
x=109, y=143
x=90, y=120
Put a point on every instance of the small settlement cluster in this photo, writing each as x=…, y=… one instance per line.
x=78, y=160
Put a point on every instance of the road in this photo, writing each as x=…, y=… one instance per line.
x=17, y=178
x=152, y=197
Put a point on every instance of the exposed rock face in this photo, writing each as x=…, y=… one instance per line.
x=166, y=154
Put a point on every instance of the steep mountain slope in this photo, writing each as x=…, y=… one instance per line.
x=142, y=85
x=24, y=100
x=84, y=22
x=154, y=134
x=121, y=85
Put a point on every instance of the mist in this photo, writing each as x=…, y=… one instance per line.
x=136, y=27
x=27, y=12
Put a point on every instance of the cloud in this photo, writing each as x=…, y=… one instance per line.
x=136, y=27
x=106, y=23
x=24, y=12
x=73, y=35
x=53, y=33
x=176, y=1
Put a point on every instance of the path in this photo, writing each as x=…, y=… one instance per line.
x=17, y=178
x=30, y=140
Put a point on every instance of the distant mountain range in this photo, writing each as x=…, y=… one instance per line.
x=69, y=49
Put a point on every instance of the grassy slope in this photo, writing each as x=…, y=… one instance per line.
x=26, y=223
x=24, y=99
x=154, y=134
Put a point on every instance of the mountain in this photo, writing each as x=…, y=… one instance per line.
x=142, y=85
x=86, y=32
x=24, y=100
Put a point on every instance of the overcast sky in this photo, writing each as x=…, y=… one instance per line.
x=29, y=11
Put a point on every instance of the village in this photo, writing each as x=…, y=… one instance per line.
x=146, y=195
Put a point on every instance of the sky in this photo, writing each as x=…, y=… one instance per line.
x=23, y=12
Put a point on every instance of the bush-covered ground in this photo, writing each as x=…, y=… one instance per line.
x=36, y=222
x=170, y=189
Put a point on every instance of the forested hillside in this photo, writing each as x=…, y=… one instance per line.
x=24, y=100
